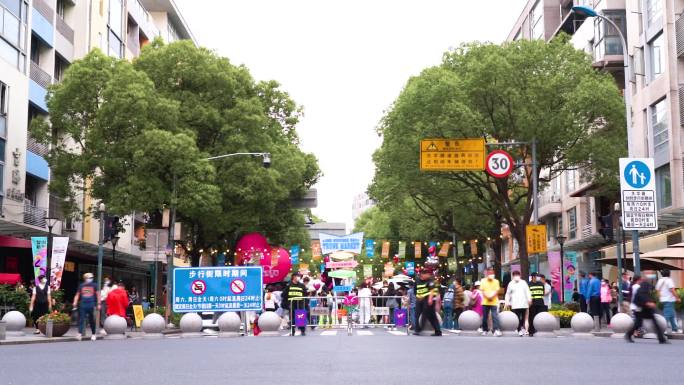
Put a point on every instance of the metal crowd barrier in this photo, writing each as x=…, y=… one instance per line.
x=336, y=313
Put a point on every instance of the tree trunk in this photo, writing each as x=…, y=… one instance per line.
x=519, y=234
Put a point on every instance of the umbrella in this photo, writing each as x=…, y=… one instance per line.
x=646, y=263
x=675, y=252
x=342, y=274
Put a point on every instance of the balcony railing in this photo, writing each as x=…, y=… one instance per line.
x=39, y=76
x=548, y=198
x=35, y=147
x=34, y=216
x=587, y=231
x=679, y=30
x=44, y=9
x=65, y=30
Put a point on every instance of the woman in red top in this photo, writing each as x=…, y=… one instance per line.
x=117, y=301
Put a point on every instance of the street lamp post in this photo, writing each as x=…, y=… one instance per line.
x=589, y=12
x=51, y=222
x=561, y=241
x=114, y=241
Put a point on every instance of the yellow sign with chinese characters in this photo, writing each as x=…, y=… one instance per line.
x=452, y=155
x=536, y=239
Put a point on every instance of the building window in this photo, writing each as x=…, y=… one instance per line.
x=172, y=33
x=13, y=18
x=570, y=184
x=572, y=223
x=656, y=49
x=537, y=21
x=60, y=66
x=606, y=37
x=659, y=126
x=114, y=45
x=559, y=225
x=4, y=107
x=115, y=24
x=60, y=8
x=654, y=10
x=663, y=186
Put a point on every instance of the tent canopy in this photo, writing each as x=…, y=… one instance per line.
x=646, y=263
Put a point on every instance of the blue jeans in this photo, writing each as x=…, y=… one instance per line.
x=413, y=316
x=83, y=312
x=669, y=314
x=486, y=309
x=448, y=321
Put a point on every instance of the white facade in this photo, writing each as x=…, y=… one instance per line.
x=362, y=202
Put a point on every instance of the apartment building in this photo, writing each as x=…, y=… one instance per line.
x=654, y=30
x=362, y=202
x=38, y=41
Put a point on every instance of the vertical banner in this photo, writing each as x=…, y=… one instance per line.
x=400, y=318
x=473, y=247
x=59, y=251
x=385, y=249
x=367, y=271
x=39, y=248
x=304, y=268
x=402, y=250
x=451, y=265
x=316, y=250
x=444, y=250
x=370, y=248
x=431, y=245
x=554, y=267
x=569, y=274
x=388, y=271
x=460, y=249
x=294, y=255
x=300, y=318
x=411, y=268
x=418, y=246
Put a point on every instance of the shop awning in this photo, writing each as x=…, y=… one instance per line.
x=9, y=279
x=646, y=263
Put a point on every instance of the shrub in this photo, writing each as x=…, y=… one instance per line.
x=56, y=317
x=18, y=299
x=564, y=315
x=174, y=318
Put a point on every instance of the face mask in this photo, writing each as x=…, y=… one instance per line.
x=651, y=276
x=107, y=283
x=516, y=279
x=43, y=281
x=491, y=276
x=89, y=280
x=538, y=279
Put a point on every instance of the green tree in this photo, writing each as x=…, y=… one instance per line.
x=518, y=91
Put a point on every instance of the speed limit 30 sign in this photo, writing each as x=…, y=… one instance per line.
x=499, y=164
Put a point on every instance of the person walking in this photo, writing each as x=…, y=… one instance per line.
x=448, y=307
x=583, y=286
x=427, y=295
x=626, y=290
x=293, y=300
x=519, y=299
x=412, y=305
x=41, y=301
x=459, y=302
x=548, y=292
x=117, y=301
x=87, y=300
x=490, y=302
x=476, y=301
x=645, y=309
x=393, y=302
x=668, y=296
x=537, y=295
x=365, y=294
x=106, y=288
x=606, y=299
x=594, y=299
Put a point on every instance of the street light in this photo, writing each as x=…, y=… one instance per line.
x=51, y=222
x=589, y=12
x=114, y=240
x=561, y=240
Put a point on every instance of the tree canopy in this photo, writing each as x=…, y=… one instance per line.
x=127, y=133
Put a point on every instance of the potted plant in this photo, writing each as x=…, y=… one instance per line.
x=61, y=322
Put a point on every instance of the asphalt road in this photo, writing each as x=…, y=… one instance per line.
x=380, y=358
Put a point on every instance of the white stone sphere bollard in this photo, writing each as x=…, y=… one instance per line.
x=269, y=323
x=545, y=324
x=620, y=324
x=191, y=325
x=115, y=326
x=16, y=322
x=152, y=326
x=582, y=325
x=650, y=329
x=509, y=323
x=469, y=321
x=428, y=326
x=229, y=325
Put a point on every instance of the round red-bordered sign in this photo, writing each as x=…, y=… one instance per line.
x=238, y=286
x=198, y=287
x=499, y=164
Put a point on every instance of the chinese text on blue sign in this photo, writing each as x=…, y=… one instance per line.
x=216, y=289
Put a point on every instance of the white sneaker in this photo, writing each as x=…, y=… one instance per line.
x=479, y=330
x=521, y=333
x=93, y=338
x=79, y=337
x=484, y=334
x=497, y=333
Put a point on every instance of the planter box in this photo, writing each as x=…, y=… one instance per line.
x=58, y=329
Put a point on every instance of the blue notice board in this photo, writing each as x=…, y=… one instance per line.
x=217, y=289
x=339, y=289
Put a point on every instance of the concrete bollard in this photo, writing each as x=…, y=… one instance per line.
x=115, y=326
x=191, y=325
x=229, y=325
x=509, y=323
x=545, y=324
x=152, y=326
x=15, y=323
x=582, y=324
x=469, y=321
x=269, y=323
x=650, y=329
x=620, y=324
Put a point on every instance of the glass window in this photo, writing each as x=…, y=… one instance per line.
x=657, y=51
x=13, y=6
x=659, y=126
x=663, y=186
x=569, y=181
x=2, y=149
x=9, y=53
x=116, y=17
x=572, y=223
x=114, y=45
x=537, y=21
x=60, y=8
x=654, y=10
x=559, y=225
x=2, y=176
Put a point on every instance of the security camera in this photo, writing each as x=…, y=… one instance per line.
x=267, y=160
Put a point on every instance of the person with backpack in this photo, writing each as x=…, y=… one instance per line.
x=645, y=306
x=448, y=307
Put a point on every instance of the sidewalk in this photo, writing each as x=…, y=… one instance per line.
x=70, y=336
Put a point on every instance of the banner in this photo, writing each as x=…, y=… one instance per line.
x=59, y=251
x=402, y=250
x=569, y=274
x=411, y=268
x=304, y=268
x=451, y=265
x=460, y=251
x=388, y=271
x=385, y=249
x=332, y=243
x=418, y=250
x=294, y=254
x=554, y=267
x=431, y=245
x=400, y=318
x=316, y=250
x=367, y=271
x=473, y=247
x=370, y=248
x=444, y=250
x=39, y=248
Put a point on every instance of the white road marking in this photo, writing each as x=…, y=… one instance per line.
x=364, y=333
x=329, y=333
x=396, y=333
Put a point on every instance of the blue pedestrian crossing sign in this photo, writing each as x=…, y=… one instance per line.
x=217, y=289
x=638, y=194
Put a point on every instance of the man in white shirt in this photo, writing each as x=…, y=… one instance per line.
x=547, y=292
x=668, y=296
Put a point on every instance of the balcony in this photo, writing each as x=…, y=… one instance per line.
x=34, y=216
x=38, y=84
x=549, y=204
x=65, y=30
x=35, y=147
x=41, y=22
x=679, y=30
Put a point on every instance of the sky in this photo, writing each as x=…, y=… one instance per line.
x=345, y=62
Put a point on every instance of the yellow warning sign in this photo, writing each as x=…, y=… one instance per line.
x=452, y=155
x=536, y=239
